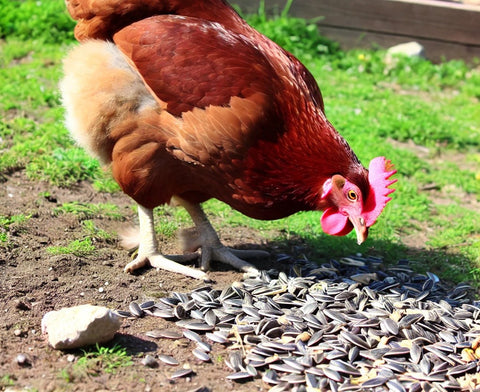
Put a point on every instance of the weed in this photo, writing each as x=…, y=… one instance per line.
x=6, y=222
x=66, y=375
x=107, y=359
x=46, y=21
x=89, y=210
x=77, y=247
x=7, y=381
x=296, y=35
x=94, y=232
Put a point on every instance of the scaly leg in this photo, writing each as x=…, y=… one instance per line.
x=148, y=251
x=212, y=248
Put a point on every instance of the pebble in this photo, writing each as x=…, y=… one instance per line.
x=80, y=326
x=410, y=49
x=23, y=360
x=149, y=361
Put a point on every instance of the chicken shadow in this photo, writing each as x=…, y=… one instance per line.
x=322, y=249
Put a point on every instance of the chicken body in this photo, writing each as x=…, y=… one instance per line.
x=191, y=106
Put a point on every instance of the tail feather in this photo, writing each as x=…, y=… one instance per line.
x=99, y=92
x=101, y=19
x=129, y=237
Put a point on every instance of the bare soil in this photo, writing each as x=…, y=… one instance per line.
x=33, y=282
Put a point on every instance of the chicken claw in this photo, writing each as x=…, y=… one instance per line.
x=204, y=237
x=212, y=249
x=168, y=263
x=148, y=251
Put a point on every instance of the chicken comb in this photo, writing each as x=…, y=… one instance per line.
x=379, y=172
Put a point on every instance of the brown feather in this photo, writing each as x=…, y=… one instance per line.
x=200, y=106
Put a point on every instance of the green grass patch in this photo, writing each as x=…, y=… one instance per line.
x=45, y=21
x=107, y=359
x=7, y=381
x=90, y=210
x=96, y=361
x=97, y=234
x=6, y=222
x=78, y=248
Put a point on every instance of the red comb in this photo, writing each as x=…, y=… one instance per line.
x=379, y=172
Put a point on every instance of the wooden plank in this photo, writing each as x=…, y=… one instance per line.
x=436, y=51
x=444, y=28
x=436, y=20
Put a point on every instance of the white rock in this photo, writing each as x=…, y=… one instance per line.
x=80, y=326
x=410, y=49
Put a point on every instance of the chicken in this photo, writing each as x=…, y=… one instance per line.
x=187, y=102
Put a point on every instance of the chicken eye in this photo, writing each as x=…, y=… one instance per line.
x=352, y=195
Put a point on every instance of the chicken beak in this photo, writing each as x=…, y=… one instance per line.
x=360, y=228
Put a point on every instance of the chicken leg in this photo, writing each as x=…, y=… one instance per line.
x=207, y=239
x=211, y=247
x=148, y=253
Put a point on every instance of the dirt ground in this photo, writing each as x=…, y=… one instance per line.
x=33, y=282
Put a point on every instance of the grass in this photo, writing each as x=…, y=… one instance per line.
x=78, y=248
x=7, y=381
x=90, y=210
x=6, y=222
x=109, y=359
x=96, y=361
x=422, y=116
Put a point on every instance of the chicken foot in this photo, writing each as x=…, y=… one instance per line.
x=148, y=253
x=211, y=248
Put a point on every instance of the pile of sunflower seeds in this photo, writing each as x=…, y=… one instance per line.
x=346, y=325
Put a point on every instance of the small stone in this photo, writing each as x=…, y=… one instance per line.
x=71, y=358
x=409, y=49
x=80, y=326
x=101, y=289
x=23, y=360
x=18, y=332
x=149, y=361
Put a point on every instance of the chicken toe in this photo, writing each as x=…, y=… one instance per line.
x=204, y=237
x=148, y=254
x=156, y=260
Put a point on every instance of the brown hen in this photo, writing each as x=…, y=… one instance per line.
x=187, y=101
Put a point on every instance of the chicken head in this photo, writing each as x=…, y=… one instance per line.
x=349, y=208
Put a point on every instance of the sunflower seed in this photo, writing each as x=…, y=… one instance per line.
x=181, y=373
x=135, y=309
x=169, y=360
x=202, y=355
x=239, y=376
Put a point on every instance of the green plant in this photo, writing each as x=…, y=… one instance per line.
x=46, y=21
x=90, y=210
x=94, y=232
x=107, y=359
x=297, y=35
x=6, y=222
x=77, y=247
x=7, y=380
